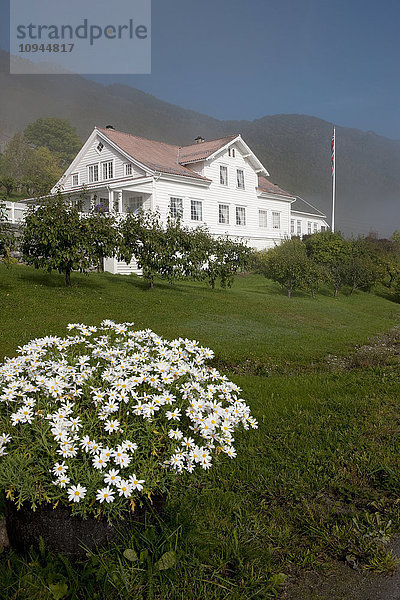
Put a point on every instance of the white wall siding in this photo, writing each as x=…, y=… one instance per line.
x=304, y=220
x=91, y=157
x=215, y=194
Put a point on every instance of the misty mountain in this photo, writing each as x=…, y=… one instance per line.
x=294, y=148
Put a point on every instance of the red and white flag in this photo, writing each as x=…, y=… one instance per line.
x=333, y=143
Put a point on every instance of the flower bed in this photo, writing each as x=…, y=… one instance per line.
x=106, y=415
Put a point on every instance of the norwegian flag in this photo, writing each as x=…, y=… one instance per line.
x=333, y=143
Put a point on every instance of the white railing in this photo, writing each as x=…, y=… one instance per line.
x=15, y=211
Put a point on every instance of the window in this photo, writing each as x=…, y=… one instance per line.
x=93, y=171
x=309, y=227
x=134, y=204
x=262, y=218
x=107, y=169
x=196, y=210
x=276, y=220
x=223, y=175
x=223, y=214
x=292, y=226
x=240, y=179
x=298, y=227
x=176, y=208
x=99, y=147
x=128, y=169
x=75, y=178
x=323, y=228
x=231, y=152
x=240, y=215
x=315, y=227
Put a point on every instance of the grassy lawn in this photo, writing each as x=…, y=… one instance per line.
x=252, y=319
x=316, y=483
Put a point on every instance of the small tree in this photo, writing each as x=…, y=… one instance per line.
x=101, y=236
x=8, y=183
x=55, y=237
x=142, y=237
x=286, y=264
x=330, y=250
x=361, y=270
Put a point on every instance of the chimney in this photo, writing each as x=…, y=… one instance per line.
x=199, y=140
x=110, y=127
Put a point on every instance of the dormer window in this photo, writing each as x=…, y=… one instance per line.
x=99, y=147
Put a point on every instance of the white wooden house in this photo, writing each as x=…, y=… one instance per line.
x=219, y=183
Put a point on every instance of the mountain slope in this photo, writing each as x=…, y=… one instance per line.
x=294, y=148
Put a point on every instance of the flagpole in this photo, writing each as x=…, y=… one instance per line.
x=333, y=159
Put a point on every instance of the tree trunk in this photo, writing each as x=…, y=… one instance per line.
x=68, y=277
x=289, y=292
x=151, y=284
x=335, y=293
x=212, y=284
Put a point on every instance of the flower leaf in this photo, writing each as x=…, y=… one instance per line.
x=167, y=561
x=130, y=554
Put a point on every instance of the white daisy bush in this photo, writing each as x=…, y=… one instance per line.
x=107, y=414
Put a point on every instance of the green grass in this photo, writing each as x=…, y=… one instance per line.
x=252, y=319
x=317, y=482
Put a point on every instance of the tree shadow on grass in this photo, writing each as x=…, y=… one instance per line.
x=57, y=280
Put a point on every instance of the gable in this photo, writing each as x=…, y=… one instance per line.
x=97, y=151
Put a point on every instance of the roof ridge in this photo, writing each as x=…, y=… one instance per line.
x=140, y=137
x=104, y=129
x=226, y=137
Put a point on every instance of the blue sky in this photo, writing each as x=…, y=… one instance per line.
x=243, y=59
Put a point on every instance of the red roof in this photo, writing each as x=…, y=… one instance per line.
x=267, y=186
x=157, y=156
x=203, y=150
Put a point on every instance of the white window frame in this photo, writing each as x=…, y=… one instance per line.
x=72, y=179
x=240, y=185
x=276, y=219
x=128, y=167
x=262, y=217
x=292, y=228
x=315, y=228
x=309, y=228
x=231, y=152
x=221, y=216
x=175, y=207
x=93, y=166
x=299, y=231
x=194, y=215
x=99, y=143
x=225, y=168
x=107, y=164
x=238, y=210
